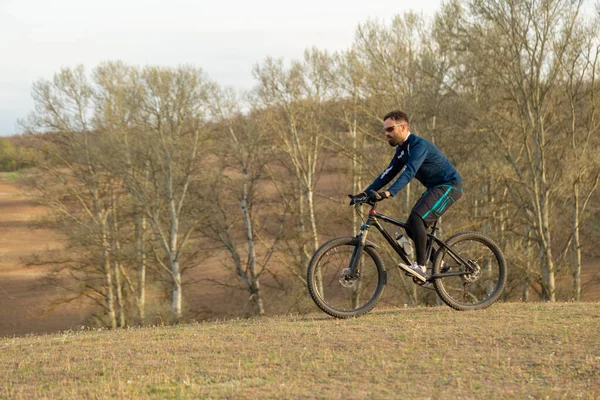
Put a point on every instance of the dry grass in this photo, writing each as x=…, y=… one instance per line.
x=512, y=350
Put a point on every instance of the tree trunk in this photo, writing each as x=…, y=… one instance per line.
x=315, y=237
x=576, y=246
x=110, y=297
x=140, y=229
x=354, y=171
x=525, y=295
x=116, y=247
x=257, y=298
x=313, y=219
x=254, y=284
x=119, y=290
x=548, y=268
x=176, y=299
x=301, y=230
x=172, y=249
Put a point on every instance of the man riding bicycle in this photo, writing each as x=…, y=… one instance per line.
x=420, y=159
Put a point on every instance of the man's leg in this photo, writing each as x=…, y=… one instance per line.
x=418, y=233
x=427, y=210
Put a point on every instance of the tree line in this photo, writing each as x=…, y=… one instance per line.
x=151, y=170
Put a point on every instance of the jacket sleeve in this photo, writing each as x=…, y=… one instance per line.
x=387, y=175
x=416, y=158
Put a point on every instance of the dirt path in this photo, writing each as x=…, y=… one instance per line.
x=23, y=301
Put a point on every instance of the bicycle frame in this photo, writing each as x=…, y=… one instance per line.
x=374, y=219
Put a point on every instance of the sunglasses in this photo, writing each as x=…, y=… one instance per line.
x=390, y=129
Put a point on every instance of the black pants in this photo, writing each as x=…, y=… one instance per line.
x=433, y=204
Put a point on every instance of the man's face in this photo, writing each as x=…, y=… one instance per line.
x=395, y=131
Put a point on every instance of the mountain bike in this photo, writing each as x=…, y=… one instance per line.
x=346, y=276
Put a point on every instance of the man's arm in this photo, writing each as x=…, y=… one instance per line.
x=386, y=176
x=417, y=156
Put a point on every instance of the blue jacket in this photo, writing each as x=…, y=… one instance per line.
x=422, y=160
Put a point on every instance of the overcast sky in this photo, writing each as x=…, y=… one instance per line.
x=226, y=38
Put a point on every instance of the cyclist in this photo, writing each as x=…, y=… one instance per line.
x=422, y=160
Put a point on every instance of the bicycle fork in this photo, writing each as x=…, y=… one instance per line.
x=354, y=271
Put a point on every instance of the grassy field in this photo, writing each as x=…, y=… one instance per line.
x=514, y=350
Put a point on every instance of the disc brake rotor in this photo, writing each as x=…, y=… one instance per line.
x=346, y=280
x=475, y=275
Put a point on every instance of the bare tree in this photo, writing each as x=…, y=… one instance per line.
x=299, y=94
x=517, y=46
x=63, y=131
x=580, y=67
x=117, y=113
x=165, y=175
x=243, y=149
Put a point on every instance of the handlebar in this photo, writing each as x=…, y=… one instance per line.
x=370, y=199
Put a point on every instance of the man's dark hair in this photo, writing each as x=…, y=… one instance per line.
x=397, y=115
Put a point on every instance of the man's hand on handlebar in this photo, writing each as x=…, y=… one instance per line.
x=358, y=198
x=378, y=196
x=364, y=197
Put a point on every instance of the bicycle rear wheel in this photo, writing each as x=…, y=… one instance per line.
x=330, y=285
x=485, y=264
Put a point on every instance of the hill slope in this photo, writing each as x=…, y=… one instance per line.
x=510, y=350
x=23, y=298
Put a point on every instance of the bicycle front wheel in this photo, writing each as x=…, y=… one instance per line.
x=486, y=268
x=331, y=286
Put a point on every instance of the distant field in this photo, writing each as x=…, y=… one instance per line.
x=512, y=350
x=24, y=302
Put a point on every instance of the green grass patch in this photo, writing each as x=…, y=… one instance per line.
x=511, y=350
x=11, y=176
